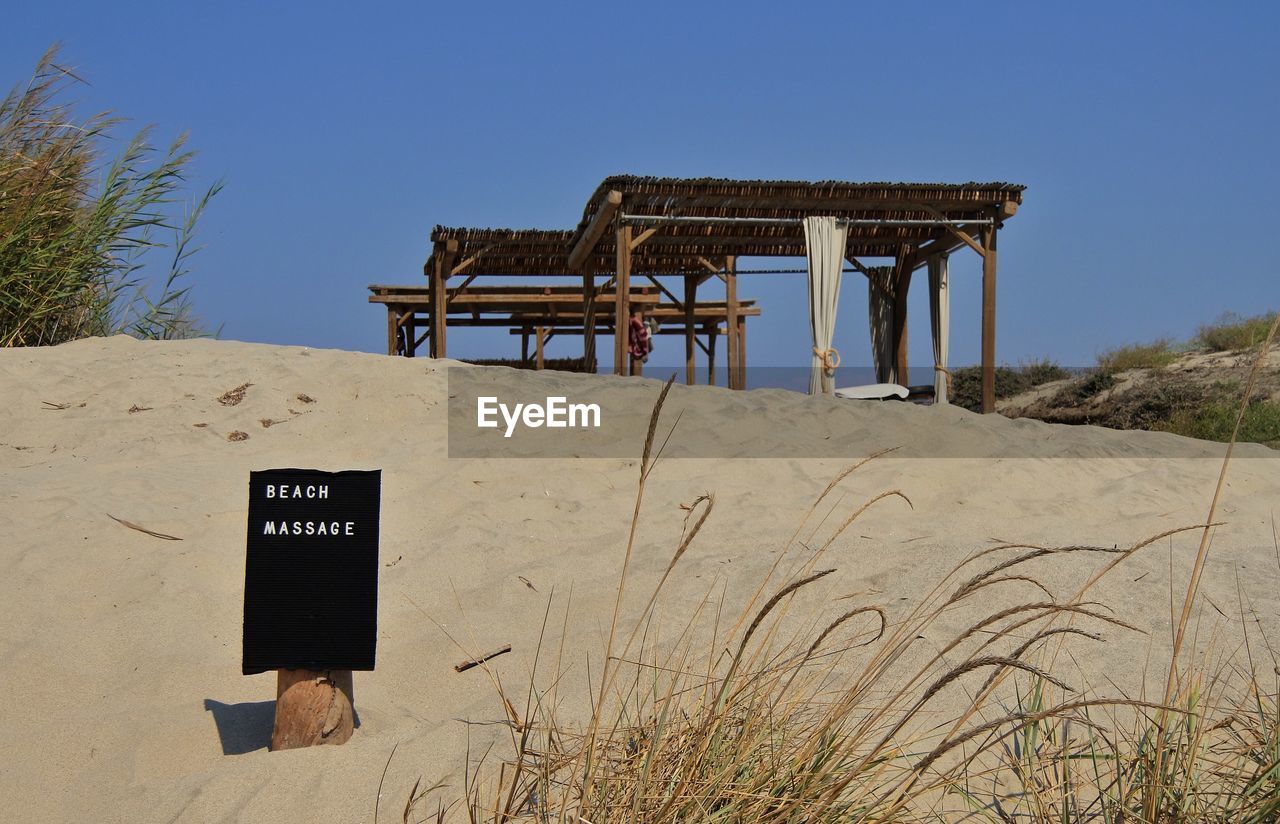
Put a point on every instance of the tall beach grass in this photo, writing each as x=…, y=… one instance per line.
x=91, y=242
x=791, y=708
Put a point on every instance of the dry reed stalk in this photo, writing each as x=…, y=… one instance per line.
x=606, y=680
x=1202, y=552
x=769, y=740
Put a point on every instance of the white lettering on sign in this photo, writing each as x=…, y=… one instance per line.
x=312, y=491
x=556, y=413
x=326, y=528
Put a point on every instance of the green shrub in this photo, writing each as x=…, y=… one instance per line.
x=78, y=228
x=966, y=382
x=1215, y=422
x=1152, y=355
x=1231, y=332
x=1090, y=385
x=1042, y=371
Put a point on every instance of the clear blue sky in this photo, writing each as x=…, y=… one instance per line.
x=1146, y=133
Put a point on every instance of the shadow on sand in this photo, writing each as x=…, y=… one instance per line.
x=246, y=727
x=242, y=727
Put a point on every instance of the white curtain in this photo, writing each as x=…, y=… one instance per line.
x=825, y=243
x=880, y=320
x=940, y=315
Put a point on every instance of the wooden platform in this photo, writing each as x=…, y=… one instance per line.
x=539, y=313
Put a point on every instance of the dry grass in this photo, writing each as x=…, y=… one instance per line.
x=966, y=381
x=790, y=711
x=79, y=230
x=1137, y=356
x=1232, y=333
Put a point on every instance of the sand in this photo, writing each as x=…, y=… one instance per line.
x=120, y=652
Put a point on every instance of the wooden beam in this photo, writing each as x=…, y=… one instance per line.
x=709, y=266
x=956, y=231
x=573, y=299
x=857, y=264
x=746, y=244
x=589, y=319
x=742, y=352
x=901, y=285
x=666, y=330
x=595, y=230
x=437, y=289
x=439, y=312
x=711, y=356
x=690, y=301
x=393, y=328
x=664, y=290
x=622, y=305
x=841, y=204
x=430, y=273
x=944, y=244
x=642, y=237
x=438, y=298
x=539, y=348
x=989, y=321
x=731, y=320
x=457, y=290
x=449, y=256
x=464, y=265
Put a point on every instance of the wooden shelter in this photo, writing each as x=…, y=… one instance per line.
x=695, y=229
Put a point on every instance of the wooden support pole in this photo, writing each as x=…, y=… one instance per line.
x=989, y=320
x=410, y=342
x=742, y=352
x=588, y=319
x=622, y=303
x=393, y=328
x=524, y=347
x=439, y=293
x=313, y=707
x=542, y=342
x=712, y=333
x=731, y=319
x=901, y=286
x=690, y=299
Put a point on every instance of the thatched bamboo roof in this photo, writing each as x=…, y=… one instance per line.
x=793, y=200
x=541, y=252
x=676, y=247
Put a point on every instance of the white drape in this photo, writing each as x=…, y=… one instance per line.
x=940, y=315
x=880, y=320
x=825, y=243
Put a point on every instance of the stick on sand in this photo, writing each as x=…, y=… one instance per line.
x=475, y=662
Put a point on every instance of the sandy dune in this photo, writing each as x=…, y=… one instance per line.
x=120, y=652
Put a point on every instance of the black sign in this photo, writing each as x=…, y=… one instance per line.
x=311, y=573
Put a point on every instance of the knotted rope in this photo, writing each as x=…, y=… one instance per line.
x=949, y=377
x=830, y=358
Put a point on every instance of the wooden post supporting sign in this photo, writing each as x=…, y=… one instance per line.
x=313, y=707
